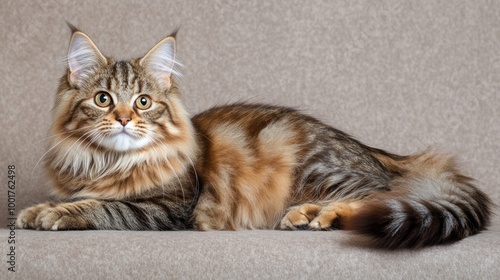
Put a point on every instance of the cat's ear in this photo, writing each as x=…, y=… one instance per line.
x=160, y=61
x=83, y=57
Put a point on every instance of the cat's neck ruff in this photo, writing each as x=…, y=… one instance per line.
x=97, y=173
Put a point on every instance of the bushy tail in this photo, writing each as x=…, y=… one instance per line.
x=430, y=202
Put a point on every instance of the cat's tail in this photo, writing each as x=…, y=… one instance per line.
x=430, y=202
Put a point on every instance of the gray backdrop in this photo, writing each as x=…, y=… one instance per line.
x=398, y=76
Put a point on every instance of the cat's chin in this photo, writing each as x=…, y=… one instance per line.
x=123, y=142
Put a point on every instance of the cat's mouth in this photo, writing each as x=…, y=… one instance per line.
x=124, y=139
x=124, y=131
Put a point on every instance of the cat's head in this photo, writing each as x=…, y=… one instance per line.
x=120, y=106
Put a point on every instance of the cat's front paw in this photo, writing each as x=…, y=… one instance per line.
x=27, y=218
x=56, y=219
x=52, y=216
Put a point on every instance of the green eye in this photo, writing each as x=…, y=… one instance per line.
x=143, y=102
x=102, y=99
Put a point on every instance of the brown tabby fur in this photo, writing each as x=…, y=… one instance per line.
x=232, y=167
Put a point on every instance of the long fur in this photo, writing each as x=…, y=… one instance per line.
x=240, y=166
x=431, y=203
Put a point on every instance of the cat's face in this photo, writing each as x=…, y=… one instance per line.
x=119, y=105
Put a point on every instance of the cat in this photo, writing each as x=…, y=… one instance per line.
x=124, y=155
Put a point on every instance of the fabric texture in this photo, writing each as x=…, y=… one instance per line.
x=401, y=76
x=260, y=254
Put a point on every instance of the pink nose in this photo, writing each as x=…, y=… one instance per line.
x=123, y=120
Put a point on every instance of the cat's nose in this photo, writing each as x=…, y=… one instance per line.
x=123, y=120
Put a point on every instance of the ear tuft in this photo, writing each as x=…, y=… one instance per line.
x=160, y=61
x=83, y=57
x=72, y=27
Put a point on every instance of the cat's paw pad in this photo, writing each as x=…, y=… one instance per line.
x=299, y=217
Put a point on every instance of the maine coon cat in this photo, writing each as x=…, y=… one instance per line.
x=125, y=155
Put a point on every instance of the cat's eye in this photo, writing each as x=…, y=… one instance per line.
x=102, y=99
x=143, y=102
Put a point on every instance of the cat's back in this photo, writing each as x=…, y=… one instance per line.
x=257, y=127
x=262, y=127
x=269, y=125
x=260, y=135
x=256, y=116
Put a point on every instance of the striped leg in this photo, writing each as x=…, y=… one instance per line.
x=150, y=214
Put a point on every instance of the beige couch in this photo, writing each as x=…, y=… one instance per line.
x=398, y=76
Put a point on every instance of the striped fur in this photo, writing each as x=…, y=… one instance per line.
x=125, y=155
x=430, y=203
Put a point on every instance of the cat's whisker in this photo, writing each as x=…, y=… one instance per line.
x=79, y=141
x=170, y=164
x=98, y=134
x=176, y=158
x=93, y=138
x=59, y=134
x=48, y=151
x=102, y=135
x=194, y=169
x=156, y=163
x=197, y=180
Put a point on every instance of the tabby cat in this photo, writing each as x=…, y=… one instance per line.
x=125, y=155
